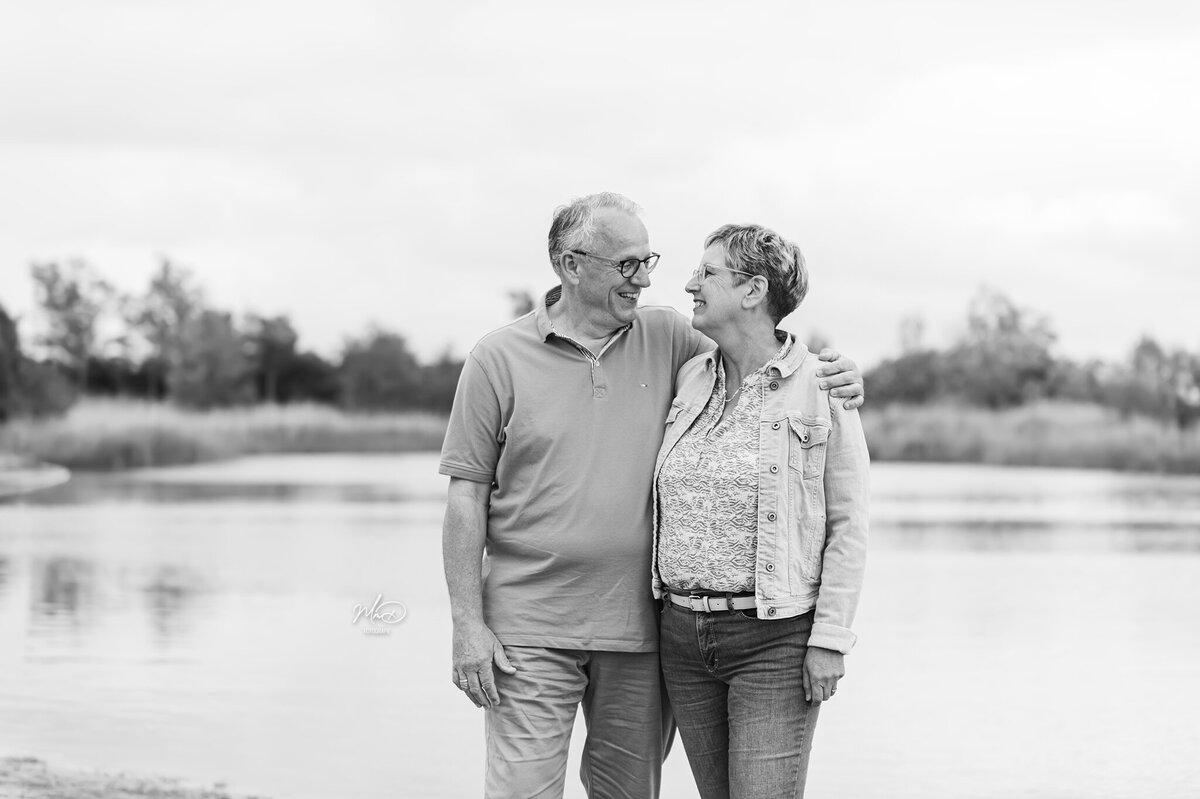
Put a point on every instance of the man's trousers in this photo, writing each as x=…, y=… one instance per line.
x=624, y=705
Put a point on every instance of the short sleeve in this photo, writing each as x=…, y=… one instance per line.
x=473, y=437
x=687, y=341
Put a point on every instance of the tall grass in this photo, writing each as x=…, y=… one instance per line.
x=102, y=435
x=1039, y=434
x=108, y=434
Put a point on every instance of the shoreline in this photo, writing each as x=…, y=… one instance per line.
x=22, y=475
x=33, y=778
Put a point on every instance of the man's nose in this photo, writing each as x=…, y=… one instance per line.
x=641, y=277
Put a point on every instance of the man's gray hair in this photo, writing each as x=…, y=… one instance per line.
x=574, y=225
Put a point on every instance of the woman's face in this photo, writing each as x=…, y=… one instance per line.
x=715, y=299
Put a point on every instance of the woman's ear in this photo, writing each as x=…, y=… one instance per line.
x=757, y=294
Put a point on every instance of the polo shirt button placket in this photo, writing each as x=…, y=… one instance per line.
x=599, y=384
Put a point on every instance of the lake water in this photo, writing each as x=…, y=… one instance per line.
x=1023, y=633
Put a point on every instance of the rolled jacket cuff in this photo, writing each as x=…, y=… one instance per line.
x=831, y=636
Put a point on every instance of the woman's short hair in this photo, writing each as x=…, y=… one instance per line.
x=574, y=224
x=762, y=251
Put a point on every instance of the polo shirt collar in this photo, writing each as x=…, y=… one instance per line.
x=542, y=315
x=542, y=312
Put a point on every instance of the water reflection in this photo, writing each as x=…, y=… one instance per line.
x=979, y=508
x=166, y=604
x=87, y=488
x=983, y=535
x=63, y=589
x=169, y=595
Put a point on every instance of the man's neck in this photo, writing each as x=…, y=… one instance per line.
x=571, y=320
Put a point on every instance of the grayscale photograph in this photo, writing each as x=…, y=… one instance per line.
x=650, y=400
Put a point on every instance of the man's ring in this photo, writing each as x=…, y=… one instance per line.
x=463, y=683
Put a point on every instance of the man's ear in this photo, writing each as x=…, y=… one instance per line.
x=568, y=268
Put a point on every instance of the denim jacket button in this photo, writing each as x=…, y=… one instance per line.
x=774, y=469
x=774, y=385
x=770, y=567
x=775, y=426
x=770, y=517
x=770, y=611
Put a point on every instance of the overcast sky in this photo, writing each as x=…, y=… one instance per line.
x=398, y=163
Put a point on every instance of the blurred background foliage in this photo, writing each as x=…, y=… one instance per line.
x=998, y=393
x=170, y=343
x=1006, y=359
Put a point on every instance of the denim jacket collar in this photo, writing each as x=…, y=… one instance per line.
x=784, y=368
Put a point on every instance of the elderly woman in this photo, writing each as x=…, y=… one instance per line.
x=760, y=527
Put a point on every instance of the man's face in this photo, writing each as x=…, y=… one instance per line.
x=610, y=298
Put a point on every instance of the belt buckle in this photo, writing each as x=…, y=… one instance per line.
x=704, y=606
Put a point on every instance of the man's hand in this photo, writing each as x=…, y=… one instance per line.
x=822, y=670
x=843, y=377
x=475, y=646
x=475, y=650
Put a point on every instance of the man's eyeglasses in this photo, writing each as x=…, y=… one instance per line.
x=628, y=267
x=704, y=271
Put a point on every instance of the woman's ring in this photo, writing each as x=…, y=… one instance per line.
x=463, y=683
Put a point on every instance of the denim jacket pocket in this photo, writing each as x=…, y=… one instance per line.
x=807, y=446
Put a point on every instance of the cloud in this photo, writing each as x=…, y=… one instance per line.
x=399, y=162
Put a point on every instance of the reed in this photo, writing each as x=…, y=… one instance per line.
x=1039, y=434
x=115, y=434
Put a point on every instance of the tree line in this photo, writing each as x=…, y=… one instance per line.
x=168, y=342
x=1005, y=358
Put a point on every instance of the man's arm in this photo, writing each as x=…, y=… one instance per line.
x=842, y=378
x=475, y=646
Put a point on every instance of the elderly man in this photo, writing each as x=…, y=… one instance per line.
x=550, y=453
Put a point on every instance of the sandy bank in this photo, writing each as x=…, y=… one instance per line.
x=30, y=778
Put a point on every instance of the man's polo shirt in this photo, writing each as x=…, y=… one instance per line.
x=568, y=442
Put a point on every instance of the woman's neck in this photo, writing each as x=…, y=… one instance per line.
x=744, y=351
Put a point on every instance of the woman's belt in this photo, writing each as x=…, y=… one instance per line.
x=707, y=603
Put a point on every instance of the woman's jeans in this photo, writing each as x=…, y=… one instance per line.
x=737, y=691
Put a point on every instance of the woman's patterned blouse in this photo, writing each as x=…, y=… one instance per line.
x=708, y=493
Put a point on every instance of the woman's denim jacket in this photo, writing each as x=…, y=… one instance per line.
x=813, y=472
